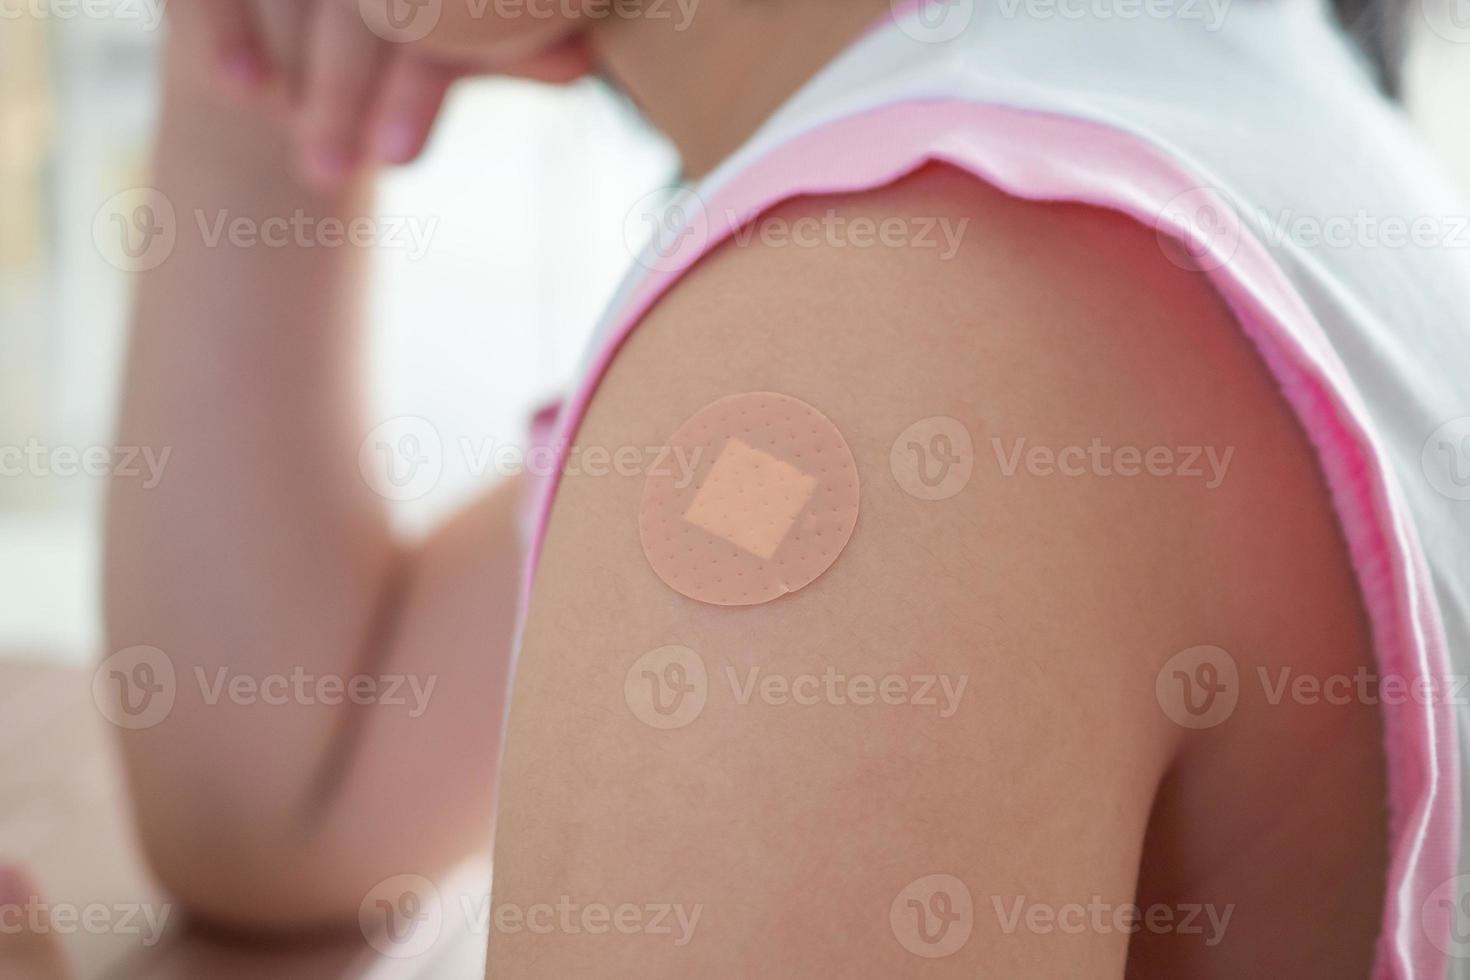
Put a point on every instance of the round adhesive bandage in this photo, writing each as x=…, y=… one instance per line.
x=764, y=499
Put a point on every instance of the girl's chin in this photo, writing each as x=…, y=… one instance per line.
x=505, y=53
x=566, y=60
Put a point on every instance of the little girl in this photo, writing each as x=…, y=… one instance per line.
x=945, y=660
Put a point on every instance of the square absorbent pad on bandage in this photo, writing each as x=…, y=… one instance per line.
x=772, y=502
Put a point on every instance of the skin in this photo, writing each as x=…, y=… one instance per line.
x=353, y=95
x=29, y=947
x=1059, y=777
x=276, y=787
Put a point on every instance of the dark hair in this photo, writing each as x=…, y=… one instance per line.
x=1380, y=30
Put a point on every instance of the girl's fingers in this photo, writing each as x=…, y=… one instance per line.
x=414, y=89
x=343, y=61
x=237, y=49
x=282, y=26
x=352, y=77
x=408, y=104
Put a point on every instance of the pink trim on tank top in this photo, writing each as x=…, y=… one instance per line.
x=1044, y=157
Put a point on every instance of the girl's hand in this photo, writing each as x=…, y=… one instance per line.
x=362, y=81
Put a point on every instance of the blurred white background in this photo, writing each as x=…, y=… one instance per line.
x=530, y=188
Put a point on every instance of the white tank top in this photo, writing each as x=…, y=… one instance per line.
x=1249, y=133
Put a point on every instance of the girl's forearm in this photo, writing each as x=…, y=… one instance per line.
x=263, y=569
x=262, y=549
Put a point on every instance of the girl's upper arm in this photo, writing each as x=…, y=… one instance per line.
x=797, y=823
